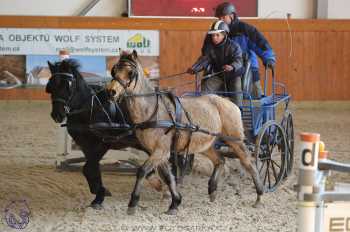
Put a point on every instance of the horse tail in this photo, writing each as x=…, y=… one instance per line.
x=230, y=115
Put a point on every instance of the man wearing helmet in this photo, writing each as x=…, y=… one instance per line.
x=221, y=54
x=251, y=41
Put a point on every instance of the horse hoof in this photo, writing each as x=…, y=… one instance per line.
x=212, y=196
x=131, y=210
x=172, y=212
x=96, y=206
x=107, y=193
x=257, y=204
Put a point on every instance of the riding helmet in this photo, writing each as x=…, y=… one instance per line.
x=225, y=8
x=218, y=26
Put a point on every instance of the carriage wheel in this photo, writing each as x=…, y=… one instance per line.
x=287, y=124
x=271, y=155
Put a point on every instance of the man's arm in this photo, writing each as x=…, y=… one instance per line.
x=201, y=64
x=256, y=41
x=267, y=56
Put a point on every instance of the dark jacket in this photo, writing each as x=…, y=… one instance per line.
x=250, y=40
x=214, y=57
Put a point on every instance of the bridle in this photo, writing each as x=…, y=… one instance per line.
x=133, y=74
x=69, y=77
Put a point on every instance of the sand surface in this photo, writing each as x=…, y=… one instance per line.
x=58, y=200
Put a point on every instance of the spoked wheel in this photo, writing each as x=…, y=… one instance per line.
x=271, y=155
x=287, y=124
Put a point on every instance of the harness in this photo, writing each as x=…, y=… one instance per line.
x=175, y=123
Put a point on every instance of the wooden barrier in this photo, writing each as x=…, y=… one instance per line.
x=314, y=66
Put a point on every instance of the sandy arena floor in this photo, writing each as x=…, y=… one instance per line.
x=58, y=200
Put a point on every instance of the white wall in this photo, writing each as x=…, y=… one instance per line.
x=339, y=9
x=279, y=8
x=61, y=7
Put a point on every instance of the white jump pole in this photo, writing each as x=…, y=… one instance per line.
x=307, y=210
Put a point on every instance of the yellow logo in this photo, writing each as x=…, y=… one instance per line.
x=138, y=41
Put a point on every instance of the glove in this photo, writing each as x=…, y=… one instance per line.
x=227, y=68
x=190, y=71
x=270, y=63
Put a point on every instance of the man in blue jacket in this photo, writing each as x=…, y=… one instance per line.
x=251, y=41
x=224, y=56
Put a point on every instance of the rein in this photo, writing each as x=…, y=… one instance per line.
x=167, y=77
x=73, y=82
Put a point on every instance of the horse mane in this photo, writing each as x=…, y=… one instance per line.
x=72, y=63
x=124, y=57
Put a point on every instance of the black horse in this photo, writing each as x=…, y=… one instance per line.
x=74, y=99
x=88, y=109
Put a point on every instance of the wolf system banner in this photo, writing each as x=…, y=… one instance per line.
x=16, y=41
x=24, y=52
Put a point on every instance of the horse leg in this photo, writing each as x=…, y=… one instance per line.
x=92, y=173
x=142, y=172
x=241, y=152
x=167, y=176
x=218, y=162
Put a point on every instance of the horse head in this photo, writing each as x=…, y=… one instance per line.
x=126, y=74
x=62, y=87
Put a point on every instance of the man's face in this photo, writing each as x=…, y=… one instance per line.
x=217, y=38
x=227, y=19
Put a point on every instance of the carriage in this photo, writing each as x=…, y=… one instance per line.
x=268, y=125
x=98, y=124
x=270, y=139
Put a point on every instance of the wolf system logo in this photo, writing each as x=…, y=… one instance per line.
x=138, y=41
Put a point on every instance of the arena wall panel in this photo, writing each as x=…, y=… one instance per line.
x=314, y=65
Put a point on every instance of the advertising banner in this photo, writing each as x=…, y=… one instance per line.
x=24, y=53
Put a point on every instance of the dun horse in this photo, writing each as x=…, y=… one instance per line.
x=72, y=97
x=211, y=112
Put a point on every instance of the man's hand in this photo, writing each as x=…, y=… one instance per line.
x=227, y=68
x=270, y=63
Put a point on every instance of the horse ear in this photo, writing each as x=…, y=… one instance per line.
x=134, y=54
